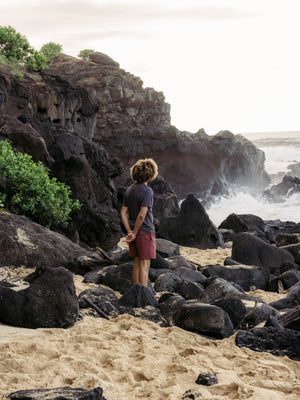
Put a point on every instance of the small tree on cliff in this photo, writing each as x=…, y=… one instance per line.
x=27, y=189
x=17, y=50
x=51, y=50
x=85, y=53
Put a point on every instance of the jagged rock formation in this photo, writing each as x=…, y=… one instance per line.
x=88, y=121
x=44, y=116
x=133, y=122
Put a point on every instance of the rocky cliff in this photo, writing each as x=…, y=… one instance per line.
x=88, y=121
x=133, y=122
x=45, y=116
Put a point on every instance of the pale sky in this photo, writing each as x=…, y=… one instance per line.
x=221, y=64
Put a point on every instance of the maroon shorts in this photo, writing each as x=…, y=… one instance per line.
x=143, y=246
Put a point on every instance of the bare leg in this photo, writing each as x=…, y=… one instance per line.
x=136, y=271
x=144, y=271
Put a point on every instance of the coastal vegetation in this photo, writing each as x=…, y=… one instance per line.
x=16, y=51
x=51, y=50
x=85, y=53
x=27, y=189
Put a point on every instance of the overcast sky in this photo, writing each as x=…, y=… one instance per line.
x=221, y=64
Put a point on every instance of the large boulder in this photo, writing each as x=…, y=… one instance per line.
x=244, y=223
x=245, y=276
x=204, y=319
x=138, y=296
x=192, y=227
x=49, y=302
x=25, y=243
x=250, y=250
x=218, y=288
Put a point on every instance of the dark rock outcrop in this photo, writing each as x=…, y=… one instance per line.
x=289, y=186
x=89, y=121
x=192, y=227
x=46, y=117
x=49, y=302
x=244, y=223
x=133, y=122
x=250, y=250
x=25, y=243
x=279, y=342
x=138, y=296
x=244, y=275
x=204, y=319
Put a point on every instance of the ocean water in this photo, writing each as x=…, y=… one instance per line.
x=281, y=150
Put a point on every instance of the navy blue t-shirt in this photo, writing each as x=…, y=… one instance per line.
x=136, y=196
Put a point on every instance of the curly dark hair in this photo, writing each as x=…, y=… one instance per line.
x=144, y=170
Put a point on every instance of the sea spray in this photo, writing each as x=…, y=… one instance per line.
x=245, y=203
x=281, y=149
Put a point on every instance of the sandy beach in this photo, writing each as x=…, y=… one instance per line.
x=135, y=359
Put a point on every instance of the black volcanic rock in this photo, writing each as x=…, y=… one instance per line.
x=250, y=250
x=133, y=122
x=192, y=227
x=89, y=121
x=49, y=302
x=279, y=342
x=44, y=116
x=287, y=187
x=244, y=223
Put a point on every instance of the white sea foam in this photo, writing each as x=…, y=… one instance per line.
x=281, y=149
x=245, y=203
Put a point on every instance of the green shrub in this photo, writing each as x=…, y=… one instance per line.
x=27, y=189
x=85, y=53
x=17, y=51
x=51, y=50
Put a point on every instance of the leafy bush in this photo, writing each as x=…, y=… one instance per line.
x=51, y=50
x=85, y=53
x=17, y=50
x=27, y=189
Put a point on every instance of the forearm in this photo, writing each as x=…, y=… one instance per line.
x=125, y=220
x=138, y=223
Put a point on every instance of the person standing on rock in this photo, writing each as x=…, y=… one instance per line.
x=137, y=218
